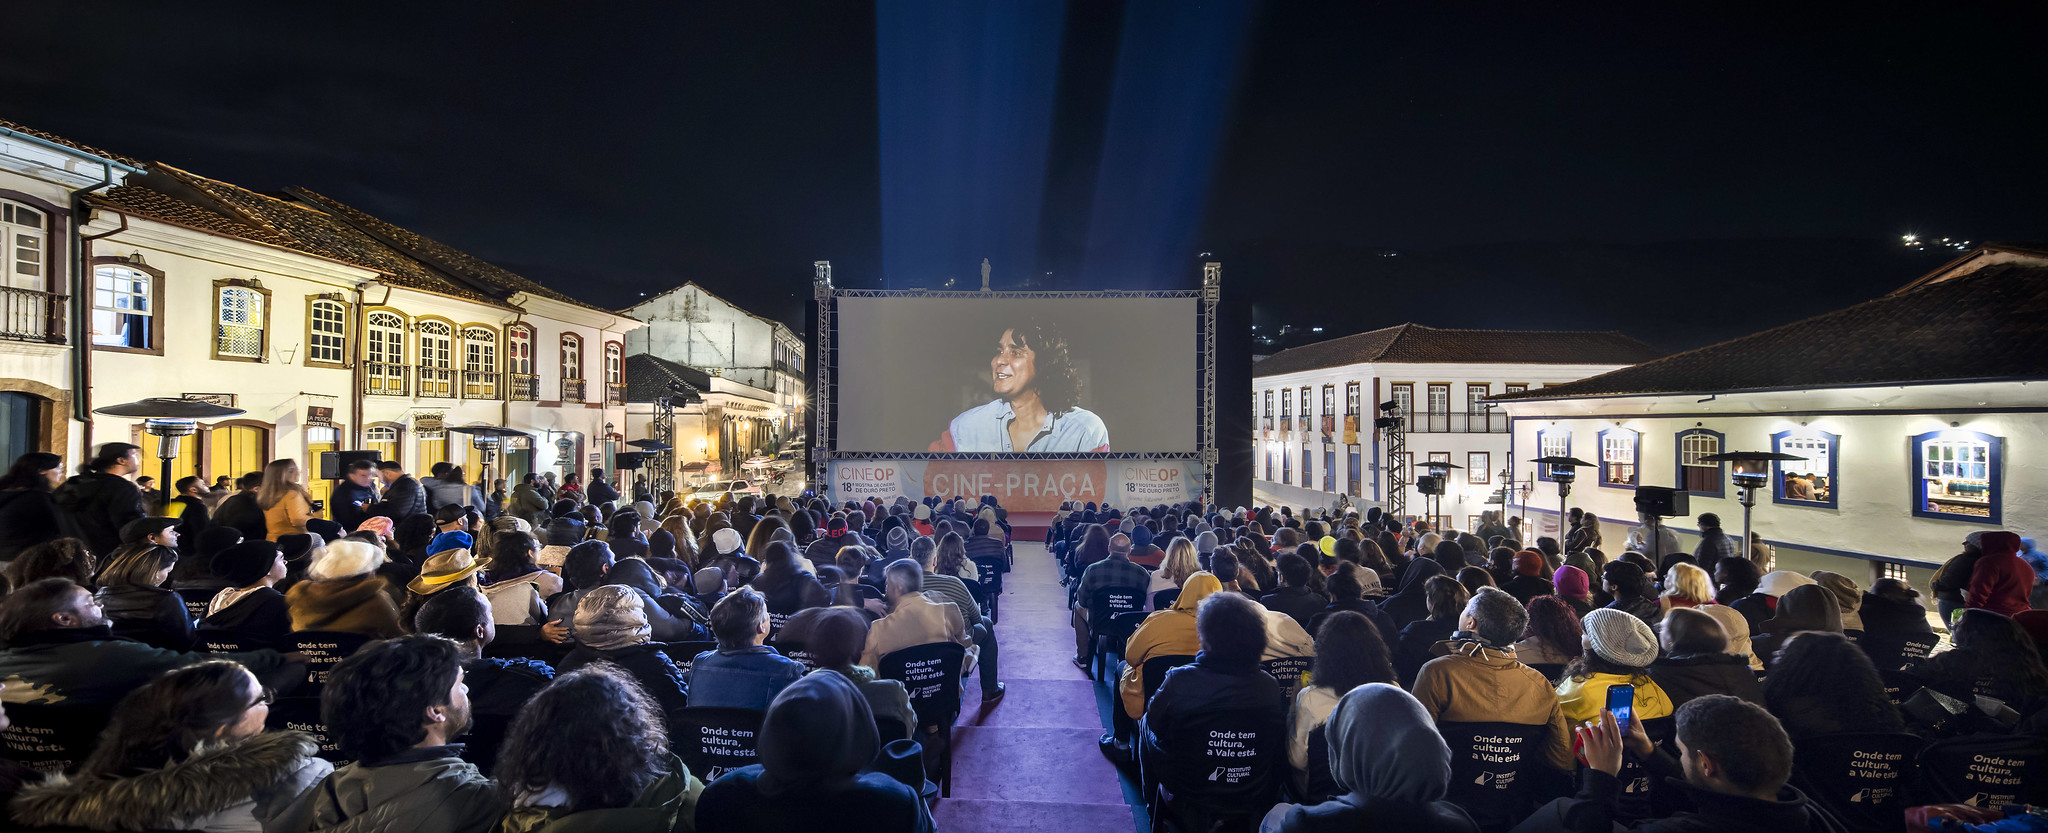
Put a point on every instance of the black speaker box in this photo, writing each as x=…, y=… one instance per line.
x=334, y=463
x=1663, y=501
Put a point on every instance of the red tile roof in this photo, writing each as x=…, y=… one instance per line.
x=1986, y=325
x=1414, y=343
x=79, y=146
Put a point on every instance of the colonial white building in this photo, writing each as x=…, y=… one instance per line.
x=331, y=328
x=1922, y=415
x=715, y=423
x=693, y=327
x=1314, y=407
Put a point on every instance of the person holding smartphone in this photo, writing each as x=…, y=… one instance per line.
x=1734, y=760
x=1619, y=650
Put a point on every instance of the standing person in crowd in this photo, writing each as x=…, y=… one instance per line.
x=526, y=501
x=1619, y=650
x=1807, y=607
x=191, y=513
x=611, y=624
x=1697, y=661
x=1736, y=762
x=250, y=606
x=591, y=752
x=404, y=497
x=1954, y=576
x=1478, y=679
x=1553, y=636
x=99, y=500
x=601, y=491
x=187, y=752
x=285, y=503
x=2000, y=581
x=451, y=488
x=60, y=650
x=1822, y=685
x=241, y=511
x=816, y=746
x=1714, y=544
x=743, y=672
x=133, y=597
x=152, y=499
x=1391, y=765
x=395, y=707
x=28, y=513
x=342, y=592
x=355, y=494
x=1349, y=654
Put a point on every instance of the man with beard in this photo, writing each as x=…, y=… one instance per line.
x=1037, y=404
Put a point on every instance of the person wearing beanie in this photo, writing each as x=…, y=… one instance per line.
x=342, y=592
x=726, y=543
x=249, y=607
x=1628, y=585
x=1848, y=599
x=452, y=540
x=612, y=626
x=1619, y=649
x=1143, y=553
x=2002, y=581
x=1808, y=607
x=1528, y=580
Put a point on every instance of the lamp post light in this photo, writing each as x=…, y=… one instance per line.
x=1751, y=470
x=169, y=420
x=1563, y=470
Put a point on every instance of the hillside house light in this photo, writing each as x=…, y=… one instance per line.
x=1750, y=470
x=1563, y=470
x=169, y=419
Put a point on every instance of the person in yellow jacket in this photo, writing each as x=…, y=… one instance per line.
x=1619, y=650
x=1164, y=633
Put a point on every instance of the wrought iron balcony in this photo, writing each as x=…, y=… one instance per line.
x=572, y=390
x=525, y=387
x=437, y=382
x=382, y=379
x=477, y=384
x=32, y=315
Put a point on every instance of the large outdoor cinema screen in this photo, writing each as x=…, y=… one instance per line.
x=1024, y=374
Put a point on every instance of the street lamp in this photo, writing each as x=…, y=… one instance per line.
x=169, y=420
x=1751, y=470
x=1563, y=470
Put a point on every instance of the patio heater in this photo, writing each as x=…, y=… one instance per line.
x=1563, y=470
x=1751, y=470
x=169, y=420
x=487, y=440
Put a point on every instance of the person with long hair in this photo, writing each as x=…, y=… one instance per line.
x=1698, y=660
x=1619, y=649
x=66, y=558
x=1993, y=656
x=1349, y=654
x=1446, y=600
x=1181, y=562
x=28, y=513
x=592, y=747
x=250, y=606
x=1822, y=684
x=764, y=529
x=1037, y=405
x=133, y=597
x=186, y=752
x=1552, y=636
x=516, y=586
x=285, y=503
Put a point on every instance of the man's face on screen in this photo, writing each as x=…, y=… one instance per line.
x=1014, y=366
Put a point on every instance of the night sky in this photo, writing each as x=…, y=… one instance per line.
x=1682, y=178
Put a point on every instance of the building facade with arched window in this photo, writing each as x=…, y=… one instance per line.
x=1915, y=417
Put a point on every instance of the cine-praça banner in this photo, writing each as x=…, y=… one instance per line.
x=1022, y=485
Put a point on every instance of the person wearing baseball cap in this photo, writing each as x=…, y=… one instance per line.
x=160, y=532
x=1619, y=650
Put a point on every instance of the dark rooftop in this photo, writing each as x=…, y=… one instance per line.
x=1414, y=343
x=650, y=377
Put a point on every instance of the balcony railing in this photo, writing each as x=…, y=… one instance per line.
x=1440, y=423
x=525, y=388
x=437, y=382
x=477, y=384
x=385, y=379
x=32, y=315
x=572, y=390
x=614, y=394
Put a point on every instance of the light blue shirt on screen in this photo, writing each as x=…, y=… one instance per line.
x=987, y=428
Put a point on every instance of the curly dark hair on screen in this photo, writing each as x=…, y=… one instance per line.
x=1058, y=383
x=593, y=733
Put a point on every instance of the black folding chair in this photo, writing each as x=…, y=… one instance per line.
x=1164, y=599
x=323, y=650
x=302, y=714
x=1153, y=672
x=684, y=654
x=52, y=738
x=931, y=673
x=795, y=650
x=989, y=574
x=1289, y=671
x=713, y=741
x=1314, y=785
x=1984, y=770
x=1495, y=770
x=1890, y=652
x=226, y=642
x=1859, y=778
x=1102, y=610
x=1221, y=770
x=197, y=599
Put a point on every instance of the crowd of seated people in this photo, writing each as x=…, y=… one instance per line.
x=451, y=661
x=1729, y=669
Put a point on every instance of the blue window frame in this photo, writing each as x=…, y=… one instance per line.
x=1958, y=476
x=1701, y=478
x=1551, y=442
x=1820, y=487
x=1620, y=449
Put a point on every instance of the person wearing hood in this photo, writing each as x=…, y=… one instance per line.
x=95, y=503
x=611, y=627
x=815, y=747
x=1697, y=661
x=1410, y=601
x=2001, y=581
x=395, y=707
x=342, y=592
x=1391, y=764
x=1169, y=632
x=590, y=565
x=591, y=752
x=1737, y=761
x=1848, y=600
x=1807, y=607
x=186, y=752
x=28, y=513
x=1476, y=678
x=1893, y=619
x=1528, y=582
x=250, y=607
